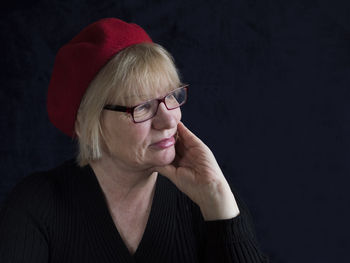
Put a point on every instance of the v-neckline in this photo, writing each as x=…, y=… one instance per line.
x=161, y=207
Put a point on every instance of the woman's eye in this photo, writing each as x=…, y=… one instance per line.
x=143, y=107
x=171, y=97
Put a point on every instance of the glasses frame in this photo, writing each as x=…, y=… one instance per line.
x=130, y=110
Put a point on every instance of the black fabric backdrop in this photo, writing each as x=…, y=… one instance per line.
x=269, y=95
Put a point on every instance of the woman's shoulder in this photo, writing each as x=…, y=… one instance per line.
x=37, y=189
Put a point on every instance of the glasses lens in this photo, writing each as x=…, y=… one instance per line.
x=145, y=110
x=176, y=98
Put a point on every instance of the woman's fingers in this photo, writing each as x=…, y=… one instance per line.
x=188, y=146
x=180, y=148
x=187, y=137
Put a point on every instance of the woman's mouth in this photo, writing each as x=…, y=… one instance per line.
x=163, y=144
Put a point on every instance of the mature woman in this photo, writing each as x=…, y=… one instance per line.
x=143, y=187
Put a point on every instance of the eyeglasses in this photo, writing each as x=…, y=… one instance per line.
x=147, y=110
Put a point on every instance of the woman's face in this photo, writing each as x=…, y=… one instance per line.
x=140, y=145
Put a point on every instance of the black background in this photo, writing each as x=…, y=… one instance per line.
x=269, y=95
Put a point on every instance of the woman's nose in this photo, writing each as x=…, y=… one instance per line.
x=166, y=119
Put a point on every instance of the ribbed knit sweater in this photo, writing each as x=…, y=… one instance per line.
x=62, y=216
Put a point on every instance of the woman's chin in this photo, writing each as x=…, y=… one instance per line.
x=164, y=157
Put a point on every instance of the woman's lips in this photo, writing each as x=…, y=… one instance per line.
x=164, y=143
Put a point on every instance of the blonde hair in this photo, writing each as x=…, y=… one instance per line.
x=139, y=71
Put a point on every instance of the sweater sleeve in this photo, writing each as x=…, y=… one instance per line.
x=231, y=240
x=23, y=236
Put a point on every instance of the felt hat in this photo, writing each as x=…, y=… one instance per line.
x=78, y=62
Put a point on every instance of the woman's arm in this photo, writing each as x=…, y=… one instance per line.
x=226, y=229
x=231, y=240
x=22, y=235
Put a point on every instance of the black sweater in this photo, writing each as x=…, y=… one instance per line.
x=62, y=216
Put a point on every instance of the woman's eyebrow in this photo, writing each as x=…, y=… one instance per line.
x=146, y=97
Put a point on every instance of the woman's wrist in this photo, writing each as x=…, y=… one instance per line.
x=220, y=204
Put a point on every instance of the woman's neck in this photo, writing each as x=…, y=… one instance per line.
x=123, y=185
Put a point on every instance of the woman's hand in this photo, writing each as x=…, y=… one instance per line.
x=197, y=174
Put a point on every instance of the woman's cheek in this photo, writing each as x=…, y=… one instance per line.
x=179, y=115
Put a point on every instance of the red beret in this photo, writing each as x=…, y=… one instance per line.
x=78, y=62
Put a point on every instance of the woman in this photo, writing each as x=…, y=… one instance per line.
x=144, y=188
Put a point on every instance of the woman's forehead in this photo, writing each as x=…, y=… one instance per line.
x=149, y=93
x=135, y=95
